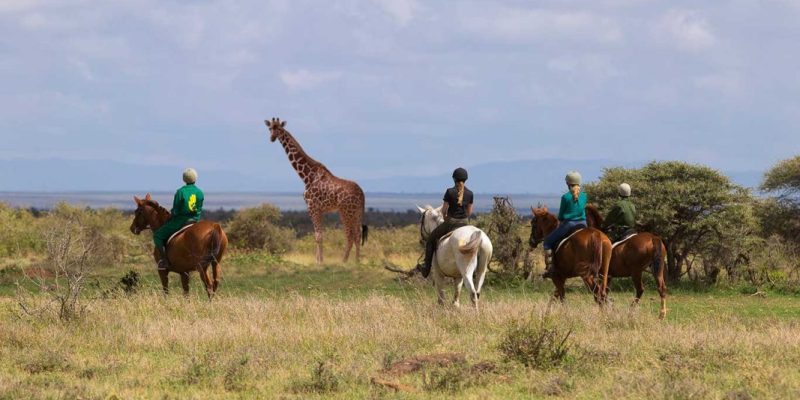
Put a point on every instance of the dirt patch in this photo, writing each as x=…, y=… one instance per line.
x=38, y=273
x=417, y=363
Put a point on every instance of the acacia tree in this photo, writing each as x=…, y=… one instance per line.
x=691, y=207
x=781, y=213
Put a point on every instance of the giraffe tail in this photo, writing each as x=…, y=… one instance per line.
x=364, y=234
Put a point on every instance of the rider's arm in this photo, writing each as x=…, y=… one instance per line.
x=445, y=207
x=469, y=210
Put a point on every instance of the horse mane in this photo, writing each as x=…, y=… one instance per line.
x=159, y=209
x=593, y=217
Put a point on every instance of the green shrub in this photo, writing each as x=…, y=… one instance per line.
x=536, y=343
x=256, y=228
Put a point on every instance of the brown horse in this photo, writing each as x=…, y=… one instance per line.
x=196, y=248
x=586, y=254
x=632, y=257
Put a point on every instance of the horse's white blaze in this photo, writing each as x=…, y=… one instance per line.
x=464, y=256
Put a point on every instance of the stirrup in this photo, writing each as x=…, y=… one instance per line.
x=163, y=265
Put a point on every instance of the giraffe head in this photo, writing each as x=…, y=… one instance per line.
x=275, y=126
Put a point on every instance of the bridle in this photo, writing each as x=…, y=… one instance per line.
x=533, y=241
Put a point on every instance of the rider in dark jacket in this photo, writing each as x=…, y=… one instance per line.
x=456, y=208
x=187, y=207
x=621, y=220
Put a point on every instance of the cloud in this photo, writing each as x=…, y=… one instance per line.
x=728, y=83
x=458, y=82
x=517, y=24
x=401, y=10
x=303, y=79
x=687, y=30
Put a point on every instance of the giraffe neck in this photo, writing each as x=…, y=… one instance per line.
x=309, y=169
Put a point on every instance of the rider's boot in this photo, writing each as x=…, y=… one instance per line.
x=425, y=269
x=163, y=261
x=548, y=262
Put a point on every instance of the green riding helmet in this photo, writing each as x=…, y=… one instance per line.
x=573, y=178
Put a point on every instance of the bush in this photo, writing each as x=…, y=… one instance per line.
x=536, y=343
x=256, y=228
x=19, y=234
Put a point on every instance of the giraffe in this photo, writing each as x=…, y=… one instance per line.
x=324, y=192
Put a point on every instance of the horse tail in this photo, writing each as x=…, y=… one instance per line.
x=658, y=257
x=215, y=244
x=471, y=246
x=596, y=247
x=364, y=234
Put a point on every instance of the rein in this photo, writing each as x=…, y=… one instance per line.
x=423, y=237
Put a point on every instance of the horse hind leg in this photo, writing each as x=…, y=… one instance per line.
x=202, y=269
x=637, y=283
x=215, y=271
x=164, y=276
x=185, y=283
x=457, y=292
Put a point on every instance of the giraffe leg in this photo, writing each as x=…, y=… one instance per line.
x=316, y=220
x=352, y=230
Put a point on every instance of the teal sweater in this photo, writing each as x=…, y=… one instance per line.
x=571, y=210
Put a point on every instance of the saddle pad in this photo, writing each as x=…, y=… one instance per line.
x=623, y=240
x=174, y=235
x=567, y=238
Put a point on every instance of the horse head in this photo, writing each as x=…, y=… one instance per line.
x=542, y=223
x=276, y=128
x=146, y=214
x=430, y=218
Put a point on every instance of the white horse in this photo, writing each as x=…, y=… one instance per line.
x=465, y=252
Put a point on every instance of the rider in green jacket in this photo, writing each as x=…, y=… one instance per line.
x=187, y=207
x=621, y=220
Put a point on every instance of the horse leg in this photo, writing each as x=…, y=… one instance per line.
x=164, y=276
x=558, y=294
x=215, y=275
x=203, y=271
x=185, y=283
x=637, y=283
x=662, y=291
x=473, y=293
x=438, y=283
x=457, y=292
x=593, y=287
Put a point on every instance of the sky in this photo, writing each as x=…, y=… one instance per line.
x=384, y=88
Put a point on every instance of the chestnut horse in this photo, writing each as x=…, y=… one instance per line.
x=586, y=254
x=631, y=257
x=196, y=248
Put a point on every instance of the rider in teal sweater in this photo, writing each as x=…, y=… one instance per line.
x=571, y=215
x=187, y=207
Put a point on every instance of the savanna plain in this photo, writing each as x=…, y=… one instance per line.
x=282, y=326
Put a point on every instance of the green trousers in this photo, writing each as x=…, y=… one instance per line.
x=172, y=225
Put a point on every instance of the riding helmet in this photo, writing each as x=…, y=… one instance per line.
x=189, y=175
x=573, y=178
x=624, y=190
x=460, y=175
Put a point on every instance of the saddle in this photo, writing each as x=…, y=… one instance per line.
x=176, y=234
x=624, y=239
x=569, y=235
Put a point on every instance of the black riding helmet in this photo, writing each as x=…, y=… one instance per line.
x=460, y=175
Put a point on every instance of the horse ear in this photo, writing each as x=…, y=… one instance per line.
x=533, y=210
x=137, y=200
x=420, y=209
x=147, y=197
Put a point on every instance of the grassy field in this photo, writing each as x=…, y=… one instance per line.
x=282, y=327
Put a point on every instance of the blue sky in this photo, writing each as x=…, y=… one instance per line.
x=383, y=88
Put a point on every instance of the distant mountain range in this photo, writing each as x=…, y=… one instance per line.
x=528, y=176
